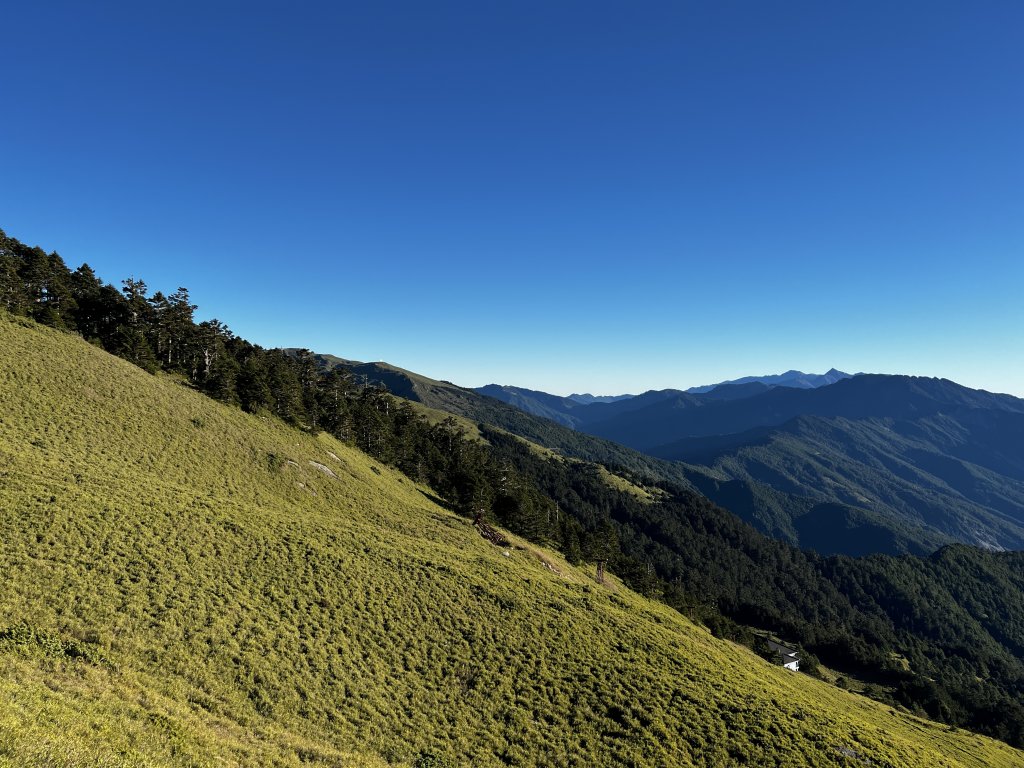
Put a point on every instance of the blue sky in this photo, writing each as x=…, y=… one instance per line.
x=566, y=196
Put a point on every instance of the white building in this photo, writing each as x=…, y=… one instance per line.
x=790, y=657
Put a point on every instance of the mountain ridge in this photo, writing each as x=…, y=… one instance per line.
x=567, y=410
x=791, y=378
x=586, y=398
x=956, y=476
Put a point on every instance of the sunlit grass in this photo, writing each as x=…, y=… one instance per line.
x=183, y=587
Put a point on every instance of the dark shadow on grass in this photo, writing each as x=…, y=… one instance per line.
x=438, y=500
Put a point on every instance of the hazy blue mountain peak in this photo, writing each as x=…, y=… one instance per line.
x=791, y=378
x=586, y=398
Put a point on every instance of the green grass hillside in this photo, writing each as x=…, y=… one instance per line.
x=188, y=585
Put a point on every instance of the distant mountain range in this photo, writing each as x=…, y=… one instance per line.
x=566, y=410
x=587, y=398
x=865, y=463
x=797, y=379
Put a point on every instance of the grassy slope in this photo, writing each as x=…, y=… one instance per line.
x=177, y=592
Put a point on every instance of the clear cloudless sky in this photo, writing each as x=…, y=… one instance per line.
x=569, y=196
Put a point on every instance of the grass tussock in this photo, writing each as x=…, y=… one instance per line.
x=184, y=586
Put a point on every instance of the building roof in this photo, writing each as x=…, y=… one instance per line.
x=789, y=655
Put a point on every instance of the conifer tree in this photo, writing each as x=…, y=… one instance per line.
x=252, y=384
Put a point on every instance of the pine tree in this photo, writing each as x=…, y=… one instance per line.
x=307, y=370
x=134, y=347
x=13, y=296
x=284, y=386
x=86, y=289
x=179, y=326
x=252, y=384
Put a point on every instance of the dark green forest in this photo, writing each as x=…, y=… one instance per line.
x=941, y=635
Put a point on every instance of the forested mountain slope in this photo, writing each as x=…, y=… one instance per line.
x=188, y=584
x=866, y=464
x=467, y=403
x=773, y=510
x=957, y=472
